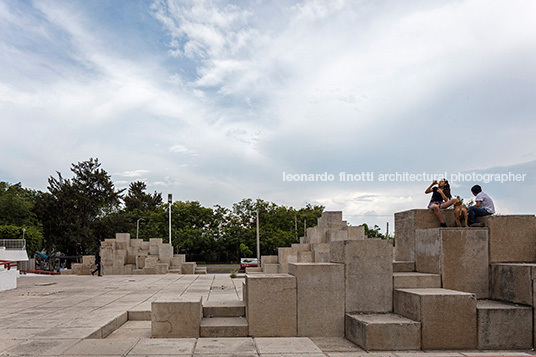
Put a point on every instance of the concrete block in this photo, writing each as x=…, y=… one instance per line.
x=151, y=261
x=118, y=268
x=271, y=305
x=513, y=282
x=224, y=327
x=176, y=317
x=177, y=260
x=153, y=245
x=120, y=255
x=109, y=242
x=460, y=255
x=77, y=268
x=145, y=245
x=330, y=218
x=512, y=238
x=286, y=255
x=138, y=272
x=165, y=252
x=322, y=252
x=122, y=237
x=407, y=222
x=250, y=270
x=188, y=268
x=368, y=274
x=88, y=260
x=149, y=270
x=135, y=243
x=131, y=255
x=269, y=259
x=335, y=235
x=306, y=256
x=300, y=247
x=320, y=298
x=356, y=232
x=316, y=235
x=504, y=326
x=129, y=269
x=270, y=268
x=403, y=266
x=162, y=268
x=106, y=270
x=416, y=280
x=447, y=317
x=375, y=332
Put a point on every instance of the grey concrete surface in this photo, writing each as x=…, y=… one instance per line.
x=58, y=317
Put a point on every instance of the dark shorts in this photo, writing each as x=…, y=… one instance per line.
x=439, y=203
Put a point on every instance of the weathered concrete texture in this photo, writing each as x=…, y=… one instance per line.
x=321, y=252
x=177, y=260
x=403, y=266
x=286, y=255
x=271, y=305
x=407, y=222
x=165, y=253
x=504, y=325
x=356, y=232
x=383, y=332
x=513, y=282
x=224, y=327
x=330, y=219
x=176, y=317
x=154, y=243
x=368, y=274
x=270, y=268
x=269, y=259
x=317, y=235
x=188, y=268
x=512, y=238
x=403, y=280
x=460, y=255
x=320, y=298
x=448, y=317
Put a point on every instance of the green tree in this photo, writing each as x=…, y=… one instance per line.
x=17, y=205
x=138, y=199
x=373, y=232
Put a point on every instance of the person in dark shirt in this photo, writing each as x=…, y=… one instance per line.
x=441, y=198
x=98, y=264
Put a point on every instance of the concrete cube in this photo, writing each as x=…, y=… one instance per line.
x=320, y=298
x=140, y=261
x=335, y=235
x=165, y=252
x=135, y=243
x=271, y=305
x=188, y=268
x=151, y=261
x=356, y=232
x=120, y=255
x=129, y=269
x=131, y=255
x=286, y=255
x=322, y=252
x=269, y=259
x=504, y=326
x=162, y=268
x=460, y=255
x=368, y=274
x=177, y=260
x=407, y=222
x=149, y=270
x=316, y=235
x=447, y=317
x=154, y=243
x=145, y=246
x=306, y=256
x=270, y=268
x=513, y=282
x=375, y=332
x=176, y=317
x=88, y=260
x=512, y=238
x=330, y=219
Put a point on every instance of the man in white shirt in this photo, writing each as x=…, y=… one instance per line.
x=483, y=206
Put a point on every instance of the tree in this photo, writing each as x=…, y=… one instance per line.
x=71, y=210
x=136, y=198
x=17, y=205
x=373, y=232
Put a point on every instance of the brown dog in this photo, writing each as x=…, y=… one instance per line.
x=460, y=213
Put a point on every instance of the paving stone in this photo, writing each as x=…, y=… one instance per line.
x=230, y=345
x=286, y=345
x=41, y=347
x=164, y=346
x=101, y=347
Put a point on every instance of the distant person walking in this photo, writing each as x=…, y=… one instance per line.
x=441, y=198
x=98, y=264
x=483, y=206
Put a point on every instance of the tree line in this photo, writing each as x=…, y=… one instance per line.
x=76, y=213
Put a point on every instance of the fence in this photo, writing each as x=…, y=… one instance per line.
x=15, y=244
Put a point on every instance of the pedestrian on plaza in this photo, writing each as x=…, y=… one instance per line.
x=97, y=264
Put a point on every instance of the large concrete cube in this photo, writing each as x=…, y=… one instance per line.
x=368, y=274
x=154, y=243
x=407, y=222
x=322, y=252
x=270, y=268
x=447, y=317
x=269, y=259
x=316, y=235
x=503, y=326
x=336, y=234
x=151, y=261
x=286, y=255
x=320, y=298
x=513, y=282
x=512, y=238
x=177, y=260
x=460, y=255
x=330, y=219
x=188, y=268
x=165, y=252
x=176, y=317
x=356, y=232
x=271, y=305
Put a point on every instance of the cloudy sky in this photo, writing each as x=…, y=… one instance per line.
x=217, y=101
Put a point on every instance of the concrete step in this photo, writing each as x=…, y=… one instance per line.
x=383, y=332
x=224, y=309
x=399, y=266
x=200, y=270
x=503, y=325
x=513, y=282
x=224, y=327
x=448, y=317
x=403, y=280
x=175, y=270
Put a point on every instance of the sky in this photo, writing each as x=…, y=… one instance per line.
x=217, y=101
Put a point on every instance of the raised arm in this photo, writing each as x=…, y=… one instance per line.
x=429, y=189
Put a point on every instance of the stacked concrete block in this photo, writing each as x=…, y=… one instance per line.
x=271, y=305
x=286, y=255
x=460, y=255
x=504, y=325
x=331, y=219
x=177, y=260
x=321, y=252
x=270, y=268
x=154, y=244
x=176, y=317
x=511, y=238
x=368, y=274
x=162, y=268
x=129, y=269
x=136, y=243
x=317, y=235
x=407, y=222
x=375, y=332
x=188, y=268
x=269, y=259
x=306, y=256
x=122, y=241
x=447, y=317
x=335, y=235
x=320, y=301
x=165, y=253
x=513, y=282
x=356, y=232
x=145, y=246
x=140, y=261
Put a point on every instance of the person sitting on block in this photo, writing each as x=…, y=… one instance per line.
x=441, y=198
x=483, y=206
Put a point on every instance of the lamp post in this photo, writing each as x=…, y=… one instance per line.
x=138, y=226
x=169, y=196
x=23, y=232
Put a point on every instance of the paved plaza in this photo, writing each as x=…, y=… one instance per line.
x=69, y=315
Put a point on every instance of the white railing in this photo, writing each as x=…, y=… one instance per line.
x=14, y=244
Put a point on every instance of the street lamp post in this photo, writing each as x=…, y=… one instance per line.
x=138, y=226
x=169, y=209
x=23, y=232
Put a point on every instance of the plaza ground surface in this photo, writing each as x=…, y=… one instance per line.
x=62, y=315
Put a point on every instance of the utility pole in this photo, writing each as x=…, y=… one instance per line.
x=258, y=240
x=169, y=197
x=138, y=226
x=296, y=226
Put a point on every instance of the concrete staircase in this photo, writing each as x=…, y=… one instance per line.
x=224, y=319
